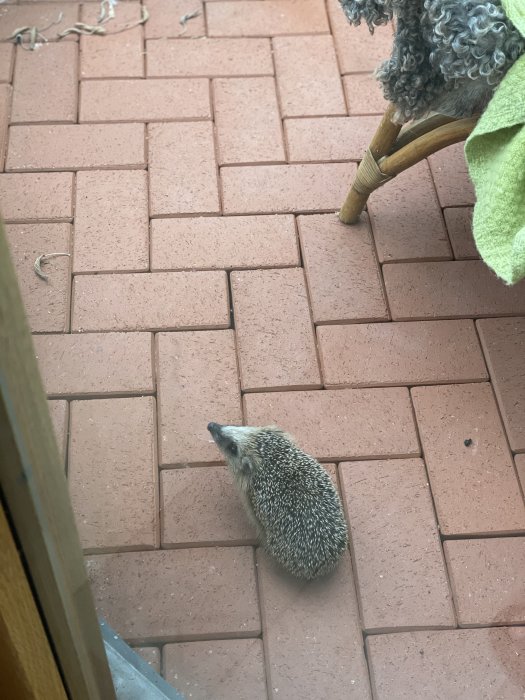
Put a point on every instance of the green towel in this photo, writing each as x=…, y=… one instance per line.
x=495, y=153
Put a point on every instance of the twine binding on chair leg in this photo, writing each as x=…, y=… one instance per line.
x=369, y=175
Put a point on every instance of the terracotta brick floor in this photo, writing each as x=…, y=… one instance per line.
x=194, y=180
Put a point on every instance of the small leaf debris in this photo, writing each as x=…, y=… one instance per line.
x=106, y=15
x=29, y=38
x=107, y=11
x=82, y=28
x=34, y=34
x=183, y=21
x=43, y=259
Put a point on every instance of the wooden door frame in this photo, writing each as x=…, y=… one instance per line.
x=27, y=665
x=36, y=497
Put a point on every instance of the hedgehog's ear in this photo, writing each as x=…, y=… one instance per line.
x=246, y=466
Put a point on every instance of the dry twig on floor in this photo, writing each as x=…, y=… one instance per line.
x=105, y=16
x=186, y=18
x=43, y=259
x=34, y=34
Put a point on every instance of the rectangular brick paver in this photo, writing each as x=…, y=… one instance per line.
x=40, y=196
x=111, y=363
x=217, y=515
x=459, y=226
x=342, y=424
x=183, y=172
x=406, y=218
x=177, y=594
x=449, y=290
x=342, y=271
x=113, y=472
x=59, y=411
x=163, y=99
x=358, y=51
x=308, y=76
x=364, y=93
x=450, y=173
x=224, y=669
x=187, y=162
x=420, y=352
x=223, y=242
x=266, y=17
x=274, y=330
x=247, y=120
x=50, y=71
x=161, y=300
x=285, y=188
x=431, y=665
x=312, y=634
x=46, y=302
x=75, y=147
x=329, y=138
x=474, y=486
x=503, y=341
x=208, y=58
x=39, y=14
x=151, y=655
x=117, y=56
x=198, y=383
x=165, y=15
x=7, y=54
x=397, y=553
x=487, y=580
x=111, y=221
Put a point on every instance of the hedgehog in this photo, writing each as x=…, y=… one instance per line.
x=288, y=496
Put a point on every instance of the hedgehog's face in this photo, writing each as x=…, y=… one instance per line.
x=237, y=445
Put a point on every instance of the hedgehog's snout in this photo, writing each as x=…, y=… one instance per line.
x=215, y=430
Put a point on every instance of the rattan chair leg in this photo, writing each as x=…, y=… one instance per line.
x=367, y=180
x=391, y=152
x=425, y=145
x=420, y=127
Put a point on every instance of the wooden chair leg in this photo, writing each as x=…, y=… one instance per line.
x=415, y=129
x=391, y=152
x=423, y=146
x=364, y=182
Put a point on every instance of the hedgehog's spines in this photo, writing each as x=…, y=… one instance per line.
x=290, y=497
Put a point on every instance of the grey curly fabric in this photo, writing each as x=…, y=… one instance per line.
x=448, y=55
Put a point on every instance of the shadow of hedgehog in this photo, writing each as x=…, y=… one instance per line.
x=448, y=55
